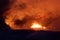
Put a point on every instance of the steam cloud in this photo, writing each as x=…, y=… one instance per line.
x=26, y=11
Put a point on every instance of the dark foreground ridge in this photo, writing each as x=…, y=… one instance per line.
x=29, y=35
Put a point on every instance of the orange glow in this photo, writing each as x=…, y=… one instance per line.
x=27, y=11
x=37, y=26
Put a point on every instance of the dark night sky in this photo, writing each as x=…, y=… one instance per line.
x=3, y=4
x=7, y=34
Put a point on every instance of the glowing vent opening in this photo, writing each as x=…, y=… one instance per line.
x=37, y=26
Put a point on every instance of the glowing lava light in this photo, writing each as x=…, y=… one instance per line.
x=37, y=26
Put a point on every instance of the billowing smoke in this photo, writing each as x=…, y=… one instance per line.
x=22, y=13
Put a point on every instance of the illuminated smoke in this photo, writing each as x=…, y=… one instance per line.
x=23, y=12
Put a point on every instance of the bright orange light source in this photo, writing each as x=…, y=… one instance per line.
x=37, y=26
